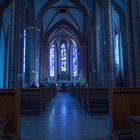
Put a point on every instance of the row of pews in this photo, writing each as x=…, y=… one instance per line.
x=94, y=100
x=16, y=102
x=34, y=100
x=120, y=103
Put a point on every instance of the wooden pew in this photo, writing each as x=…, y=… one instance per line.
x=135, y=126
x=3, y=122
x=34, y=100
x=94, y=100
x=124, y=102
x=75, y=92
x=48, y=94
x=31, y=101
x=97, y=100
x=9, y=109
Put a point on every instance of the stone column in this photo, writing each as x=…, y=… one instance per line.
x=36, y=44
x=84, y=53
x=11, y=80
x=136, y=38
x=97, y=43
x=15, y=59
x=80, y=57
x=133, y=40
x=107, y=44
x=91, y=54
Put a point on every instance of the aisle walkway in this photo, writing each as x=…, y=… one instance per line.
x=63, y=119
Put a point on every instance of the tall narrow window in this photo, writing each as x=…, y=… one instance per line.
x=63, y=57
x=74, y=61
x=52, y=63
x=24, y=52
x=117, y=50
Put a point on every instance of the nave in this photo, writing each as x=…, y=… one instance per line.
x=64, y=119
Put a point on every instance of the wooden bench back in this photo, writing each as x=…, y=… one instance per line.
x=88, y=89
x=92, y=90
x=10, y=108
x=31, y=96
x=48, y=93
x=123, y=103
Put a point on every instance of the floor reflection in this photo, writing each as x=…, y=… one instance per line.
x=63, y=119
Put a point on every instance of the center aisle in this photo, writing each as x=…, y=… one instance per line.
x=63, y=119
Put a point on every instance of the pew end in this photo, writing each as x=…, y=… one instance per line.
x=9, y=109
x=124, y=102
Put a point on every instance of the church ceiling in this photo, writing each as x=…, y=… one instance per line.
x=62, y=10
x=72, y=15
x=40, y=3
x=63, y=31
x=65, y=10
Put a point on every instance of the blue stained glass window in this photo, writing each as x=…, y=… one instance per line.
x=63, y=57
x=24, y=51
x=117, y=49
x=52, y=63
x=75, y=61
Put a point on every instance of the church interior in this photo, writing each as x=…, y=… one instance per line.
x=69, y=69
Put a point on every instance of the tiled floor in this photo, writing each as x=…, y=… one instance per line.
x=63, y=119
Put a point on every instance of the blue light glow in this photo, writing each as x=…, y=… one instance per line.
x=2, y=44
x=117, y=59
x=63, y=58
x=75, y=61
x=24, y=51
x=52, y=63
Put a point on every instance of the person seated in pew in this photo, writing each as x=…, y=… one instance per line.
x=72, y=85
x=41, y=85
x=33, y=85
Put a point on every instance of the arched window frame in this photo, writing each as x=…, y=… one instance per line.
x=63, y=56
x=74, y=61
x=119, y=46
x=52, y=60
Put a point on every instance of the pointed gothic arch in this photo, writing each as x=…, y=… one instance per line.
x=120, y=46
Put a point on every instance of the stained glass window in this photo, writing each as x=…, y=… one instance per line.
x=52, y=57
x=63, y=57
x=117, y=49
x=24, y=50
x=75, y=61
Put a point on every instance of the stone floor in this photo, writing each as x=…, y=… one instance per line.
x=64, y=119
